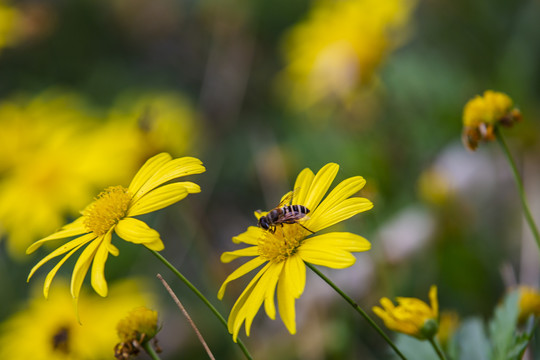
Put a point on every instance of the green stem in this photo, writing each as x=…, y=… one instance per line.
x=150, y=350
x=520, y=187
x=357, y=308
x=438, y=350
x=202, y=297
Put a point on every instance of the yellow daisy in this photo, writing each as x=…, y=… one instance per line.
x=482, y=113
x=284, y=250
x=412, y=316
x=114, y=210
x=44, y=330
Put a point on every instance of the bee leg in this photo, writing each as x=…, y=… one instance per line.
x=306, y=228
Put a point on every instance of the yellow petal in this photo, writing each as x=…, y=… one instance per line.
x=171, y=170
x=137, y=232
x=302, y=185
x=330, y=257
x=82, y=265
x=342, y=191
x=343, y=211
x=158, y=199
x=269, y=303
x=339, y=240
x=75, y=243
x=52, y=273
x=286, y=301
x=267, y=282
x=296, y=269
x=320, y=185
x=229, y=256
x=98, y=266
x=148, y=170
x=241, y=271
x=73, y=229
x=434, y=301
x=113, y=249
x=237, y=317
x=251, y=236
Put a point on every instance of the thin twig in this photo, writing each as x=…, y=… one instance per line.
x=177, y=301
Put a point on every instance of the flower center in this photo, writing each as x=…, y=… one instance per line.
x=60, y=340
x=108, y=208
x=283, y=243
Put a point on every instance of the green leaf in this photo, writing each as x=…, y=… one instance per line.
x=413, y=348
x=502, y=328
x=471, y=340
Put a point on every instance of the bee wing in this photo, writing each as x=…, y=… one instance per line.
x=287, y=198
x=293, y=216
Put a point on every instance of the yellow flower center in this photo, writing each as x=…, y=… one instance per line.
x=108, y=208
x=278, y=246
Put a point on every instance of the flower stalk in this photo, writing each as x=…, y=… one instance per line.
x=202, y=297
x=437, y=348
x=519, y=183
x=358, y=309
x=150, y=350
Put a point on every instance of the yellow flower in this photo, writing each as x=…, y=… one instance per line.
x=8, y=21
x=412, y=316
x=114, y=210
x=163, y=121
x=529, y=302
x=44, y=330
x=482, y=113
x=138, y=327
x=339, y=46
x=283, y=251
x=448, y=324
x=51, y=161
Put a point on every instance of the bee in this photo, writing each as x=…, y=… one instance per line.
x=284, y=214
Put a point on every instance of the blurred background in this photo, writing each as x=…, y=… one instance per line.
x=259, y=90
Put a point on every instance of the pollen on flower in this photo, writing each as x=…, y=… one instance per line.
x=107, y=209
x=282, y=243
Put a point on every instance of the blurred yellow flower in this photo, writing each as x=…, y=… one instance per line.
x=163, y=121
x=51, y=161
x=448, y=324
x=529, y=302
x=339, y=46
x=482, y=113
x=114, y=210
x=138, y=327
x=284, y=250
x=412, y=316
x=44, y=330
x=8, y=21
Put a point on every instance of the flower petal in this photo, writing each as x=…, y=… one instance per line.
x=342, y=191
x=158, y=199
x=237, y=317
x=302, y=185
x=52, y=273
x=229, y=256
x=137, y=232
x=75, y=243
x=147, y=170
x=342, y=211
x=73, y=229
x=296, y=268
x=286, y=294
x=434, y=302
x=241, y=271
x=339, y=240
x=251, y=236
x=171, y=170
x=98, y=266
x=267, y=282
x=322, y=254
x=82, y=265
x=320, y=185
